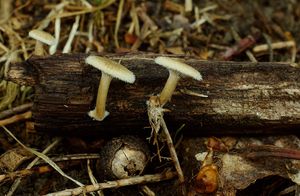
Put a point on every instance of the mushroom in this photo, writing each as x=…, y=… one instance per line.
x=41, y=37
x=110, y=69
x=176, y=69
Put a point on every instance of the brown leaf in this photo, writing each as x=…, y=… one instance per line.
x=11, y=159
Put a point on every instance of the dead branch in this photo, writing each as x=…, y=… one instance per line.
x=116, y=184
x=15, y=110
x=236, y=97
x=16, y=118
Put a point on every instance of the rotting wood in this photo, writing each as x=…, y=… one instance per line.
x=242, y=97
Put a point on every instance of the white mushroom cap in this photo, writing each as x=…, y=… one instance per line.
x=42, y=36
x=111, y=68
x=178, y=66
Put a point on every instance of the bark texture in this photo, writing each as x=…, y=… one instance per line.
x=242, y=97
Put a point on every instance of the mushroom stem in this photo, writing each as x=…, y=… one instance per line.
x=169, y=87
x=39, y=50
x=99, y=112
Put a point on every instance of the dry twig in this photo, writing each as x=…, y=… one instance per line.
x=15, y=110
x=272, y=151
x=73, y=157
x=276, y=45
x=92, y=177
x=155, y=114
x=42, y=169
x=172, y=150
x=116, y=184
x=16, y=118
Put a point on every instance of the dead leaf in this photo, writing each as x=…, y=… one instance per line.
x=12, y=159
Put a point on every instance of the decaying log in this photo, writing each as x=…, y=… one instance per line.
x=242, y=97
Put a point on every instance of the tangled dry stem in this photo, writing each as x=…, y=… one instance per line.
x=156, y=120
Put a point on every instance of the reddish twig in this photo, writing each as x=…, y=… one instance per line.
x=272, y=151
x=238, y=48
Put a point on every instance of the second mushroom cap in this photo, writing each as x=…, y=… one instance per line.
x=111, y=68
x=178, y=66
x=176, y=69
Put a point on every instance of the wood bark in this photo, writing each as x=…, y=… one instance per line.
x=242, y=97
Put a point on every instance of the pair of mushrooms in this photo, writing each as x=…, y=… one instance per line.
x=111, y=69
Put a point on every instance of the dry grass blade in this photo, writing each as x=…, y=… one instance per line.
x=57, y=30
x=92, y=177
x=90, y=36
x=3, y=47
x=188, y=5
x=85, y=11
x=118, y=22
x=75, y=26
x=52, y=14
x=135, y=20
x=44, y=157
x=16, y=183
x=12, y=90
x=5, y=10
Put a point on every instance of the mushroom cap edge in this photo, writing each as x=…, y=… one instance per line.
x=178, y=66
x=42, y=36
x=111, y=68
